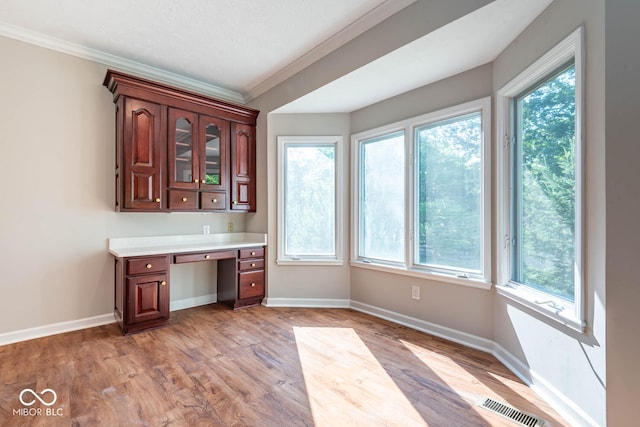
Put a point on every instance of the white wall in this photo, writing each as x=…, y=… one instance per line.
x=571, y=363
x=623, y=210
x=57, y=138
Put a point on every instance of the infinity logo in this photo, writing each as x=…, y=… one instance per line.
x=47, y=390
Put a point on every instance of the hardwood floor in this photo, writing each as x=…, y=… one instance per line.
x=260, y=367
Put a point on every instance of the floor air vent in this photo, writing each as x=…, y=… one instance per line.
x=511, y=413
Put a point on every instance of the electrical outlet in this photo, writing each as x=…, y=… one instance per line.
x=415, y=292
x=205, y=229
x=230, y=227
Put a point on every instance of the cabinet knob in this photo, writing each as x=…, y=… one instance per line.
x=214, y=200
x=163, y=283
x=253, y=252
x=149, y=265
x=253, y=264
x=235, y=203
x=184, y=199
x=253, y=284
x=197, y=181
x=157, y=199
x=207, y=257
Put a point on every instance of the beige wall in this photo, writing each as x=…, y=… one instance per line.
x=291, y=282
x=623, y=211
x=57, y=141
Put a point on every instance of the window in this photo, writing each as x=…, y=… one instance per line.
x=309, y=175
x=449, y=194
x=423, y=196
x=541, y=223
x=382, y=198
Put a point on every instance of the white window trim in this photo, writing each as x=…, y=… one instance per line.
x=337, y=257
x=408, y=267
x=571, y=315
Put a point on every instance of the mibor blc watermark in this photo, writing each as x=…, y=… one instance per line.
x=46, y=397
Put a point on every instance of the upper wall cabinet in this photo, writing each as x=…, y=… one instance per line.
x=181, y=151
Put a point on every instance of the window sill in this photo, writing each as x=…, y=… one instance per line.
x=446, y=278
x=528, y=298
x=299, y=262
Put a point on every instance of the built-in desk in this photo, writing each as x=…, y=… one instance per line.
x=142, y=272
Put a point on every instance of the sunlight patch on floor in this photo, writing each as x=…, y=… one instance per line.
x=346, y=384
x=453, y=371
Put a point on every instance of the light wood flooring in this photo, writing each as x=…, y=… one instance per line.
x=257, y=367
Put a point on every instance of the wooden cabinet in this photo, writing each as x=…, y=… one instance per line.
x=142, y=292
x=139, y=161
x=142, y=283
x=241, y=281
x=243, y=168
x=181, y=151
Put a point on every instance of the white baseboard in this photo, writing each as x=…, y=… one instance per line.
x=557, y=400
x=55, y=328
x=181, y=304
x=424, y=326
x=90, y=322
x=307, y=302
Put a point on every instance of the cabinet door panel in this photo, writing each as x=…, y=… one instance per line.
x=142, y=155
x=243, y=169
x=182, y=140
x=213, y=135
x=147, y=298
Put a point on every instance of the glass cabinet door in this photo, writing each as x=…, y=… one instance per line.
x=183, y=152
x=214, y=137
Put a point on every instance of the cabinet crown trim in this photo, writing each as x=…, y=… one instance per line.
x=124, y=84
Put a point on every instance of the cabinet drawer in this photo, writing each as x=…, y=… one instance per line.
x=252, y=253
x=213, y=201
x=204, y=256
x=146, y=265
x=251, y=264
x=251, y=284
x=180, y=199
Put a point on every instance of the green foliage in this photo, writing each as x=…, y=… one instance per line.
x=449, y=193
x=212, y=179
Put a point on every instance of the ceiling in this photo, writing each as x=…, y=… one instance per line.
x=239, y=49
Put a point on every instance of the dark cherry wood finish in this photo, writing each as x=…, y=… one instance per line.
x=142, y=284
x=247, y=277
x=243, y=167
x=141, y=173
x=142, y=292
x=146, y=114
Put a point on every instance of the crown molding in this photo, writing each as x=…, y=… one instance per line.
x=119, y=63
x=362, y=24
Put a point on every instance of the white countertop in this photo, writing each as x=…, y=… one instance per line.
x=140, y=246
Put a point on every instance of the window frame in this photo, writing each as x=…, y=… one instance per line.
x=556, y=308
x=310, y=259
x=408, y=266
